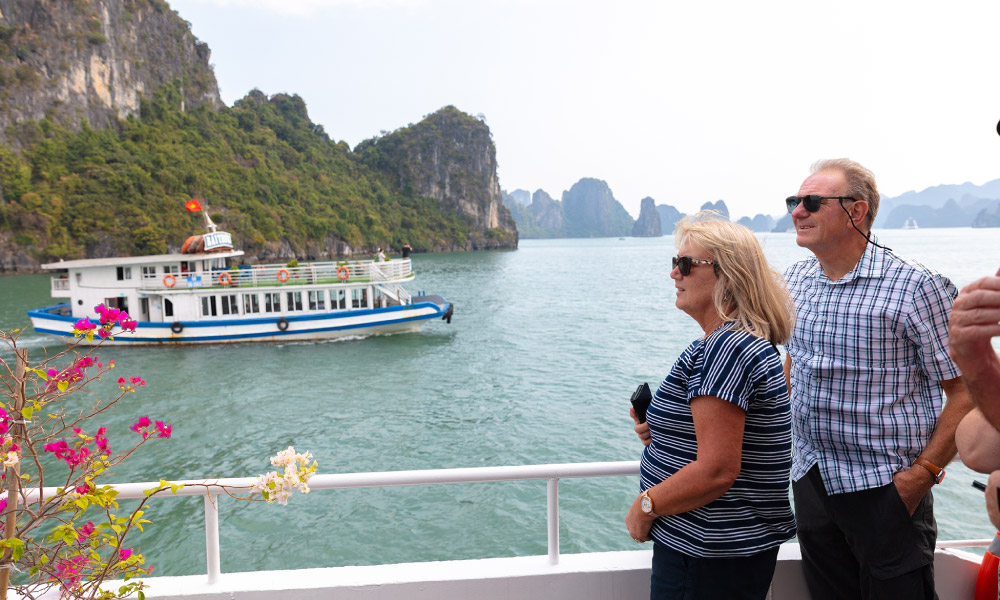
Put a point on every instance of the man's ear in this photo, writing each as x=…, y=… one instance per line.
x=859, y=211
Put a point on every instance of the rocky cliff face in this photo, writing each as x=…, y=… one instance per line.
x=548, y=212
x=668, y=218
x=718, y=206
x=93, y=60
x=759, y=222
x=648, y=223
x=450, y=156
x=591, y=210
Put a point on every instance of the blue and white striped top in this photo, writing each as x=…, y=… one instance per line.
x=868, y=351
x=754, y=515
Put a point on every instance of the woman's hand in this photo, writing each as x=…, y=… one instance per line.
x=638, y=522
x=641, y=429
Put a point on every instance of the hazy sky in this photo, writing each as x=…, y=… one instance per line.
x=686, y=102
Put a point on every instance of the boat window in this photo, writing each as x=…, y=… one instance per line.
x=272, y=302
x=208, y=306
x=171, y=269
x=187, y=267
x=149, y=272
x=124, y=273
x=251, y=304
x=118, y=302
x=294, y=300
x=359, y=298
x=338, y=299
x=168, y=308
x=317, y=300
x=229, y=304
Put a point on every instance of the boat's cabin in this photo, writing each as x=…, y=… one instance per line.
x=204, y=286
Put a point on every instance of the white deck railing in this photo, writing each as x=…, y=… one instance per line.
x=213, y=489
x=270, y=275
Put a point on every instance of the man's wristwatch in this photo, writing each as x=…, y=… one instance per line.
x=935, y=470
x=646, y=504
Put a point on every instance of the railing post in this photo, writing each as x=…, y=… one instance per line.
x=552, y=502
x=212, y=537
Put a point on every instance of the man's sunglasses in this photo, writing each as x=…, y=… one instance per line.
x=811, y=202
x=685, y=263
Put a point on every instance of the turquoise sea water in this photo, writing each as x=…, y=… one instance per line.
x=547, y=343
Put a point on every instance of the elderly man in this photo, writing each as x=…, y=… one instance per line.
x=866, y=366
x=975, y=320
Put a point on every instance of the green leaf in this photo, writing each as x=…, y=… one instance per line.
x=62, y=385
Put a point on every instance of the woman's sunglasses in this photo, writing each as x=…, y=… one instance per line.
x=685, y=263
x=811, y=202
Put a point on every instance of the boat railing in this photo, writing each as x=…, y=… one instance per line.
x=359, y=271
x=214, y=490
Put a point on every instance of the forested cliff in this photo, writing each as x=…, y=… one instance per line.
x=113, y=121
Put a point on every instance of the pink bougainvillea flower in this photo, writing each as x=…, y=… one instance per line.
x=84, y=325
x=163, y=429
x=137, y=381
x=103, y=445
x=85, y=362
x=85, y=531
x=125, y=553
x=104, y=333
x=83, y=489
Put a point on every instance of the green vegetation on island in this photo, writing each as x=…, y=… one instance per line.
x=267, y=173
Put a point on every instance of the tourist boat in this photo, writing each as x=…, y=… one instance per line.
x=910, y=223
x=198, y=296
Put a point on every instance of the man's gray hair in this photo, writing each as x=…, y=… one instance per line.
x=860, y=183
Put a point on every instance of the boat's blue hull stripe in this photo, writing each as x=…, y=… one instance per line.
x=42, y=313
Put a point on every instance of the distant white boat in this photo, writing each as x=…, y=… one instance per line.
x=911, y=223
x=197, y=296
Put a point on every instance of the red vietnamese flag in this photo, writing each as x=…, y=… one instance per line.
x=192, y=205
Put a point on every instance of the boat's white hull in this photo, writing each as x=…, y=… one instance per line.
x=285, y=328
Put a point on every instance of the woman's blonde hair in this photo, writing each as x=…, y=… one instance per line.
x=749, y=293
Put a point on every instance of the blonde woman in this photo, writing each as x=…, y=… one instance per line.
x=715, y=471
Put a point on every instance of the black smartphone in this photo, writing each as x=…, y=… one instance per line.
x=641, y=398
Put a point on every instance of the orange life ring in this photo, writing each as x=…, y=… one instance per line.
x=169, y=280
x=343, y=273
x=282, y=275
x=225, y=278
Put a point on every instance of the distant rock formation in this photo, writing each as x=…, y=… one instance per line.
x=648, y=223
x=94, y=60
x=668, y=218
x=590, y=210
x=718, y=206
x=450, y=156
x=761, y=223
x=952, y=213
x=548, y=213
x=521, y=197
x=784, y=224
x=986, y=218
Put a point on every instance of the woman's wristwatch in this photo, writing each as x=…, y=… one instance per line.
x=646, y=504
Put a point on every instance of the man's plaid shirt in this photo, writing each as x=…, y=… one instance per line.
x=867, y=354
